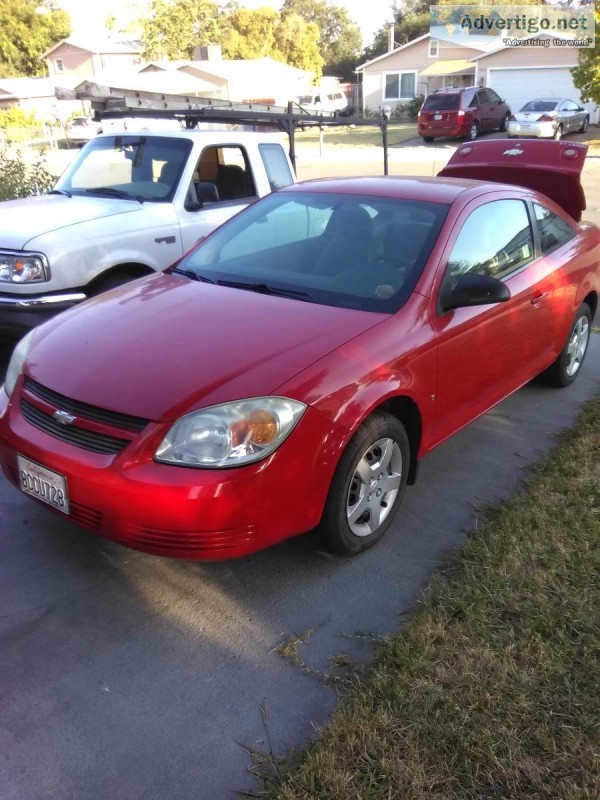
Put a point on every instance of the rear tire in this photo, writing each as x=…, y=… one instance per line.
x=428, y=139
x=568, y=365
x=558, y=133
x=473, y=132
x=504, y=124
x=367, y=487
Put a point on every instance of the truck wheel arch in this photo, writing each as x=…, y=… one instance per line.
x=117, y=276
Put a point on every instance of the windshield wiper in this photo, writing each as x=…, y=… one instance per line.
x=60, y=191
x=189, y=273
x=264, y=288
x=115, y=193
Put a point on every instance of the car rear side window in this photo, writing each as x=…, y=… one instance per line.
x=276, y=165
x=553, y=230
x=495, y=240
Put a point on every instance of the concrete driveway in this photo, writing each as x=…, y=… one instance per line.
x=129, y=677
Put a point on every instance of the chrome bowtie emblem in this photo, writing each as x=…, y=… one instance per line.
x=64, y=417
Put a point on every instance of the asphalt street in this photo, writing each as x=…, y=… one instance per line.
x=126, y=676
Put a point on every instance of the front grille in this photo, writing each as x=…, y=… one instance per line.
x=112, y=418
x=81, y=437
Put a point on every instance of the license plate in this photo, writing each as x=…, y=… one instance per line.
x=43, y=484
x=437, y=116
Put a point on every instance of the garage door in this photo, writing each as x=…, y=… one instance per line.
x=526, y=83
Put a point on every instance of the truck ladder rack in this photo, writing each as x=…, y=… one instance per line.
x=114, y=103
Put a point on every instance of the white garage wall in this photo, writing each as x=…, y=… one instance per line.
x=520, y=84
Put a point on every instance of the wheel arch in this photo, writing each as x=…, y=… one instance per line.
x=592, y=300
x=129, y=271
x=408, y=413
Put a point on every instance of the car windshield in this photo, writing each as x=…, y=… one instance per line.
x=441, y=102
x=540, y=105
x=343, y=250
x=142, y=167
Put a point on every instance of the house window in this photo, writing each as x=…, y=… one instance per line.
x=58, y=65
x=434, y=48
x=399, y=85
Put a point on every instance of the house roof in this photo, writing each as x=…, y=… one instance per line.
x=21, y=88
x=455, y=66
x=161, y=81
x=441, y=35
x=235, y=69
x=100, y=45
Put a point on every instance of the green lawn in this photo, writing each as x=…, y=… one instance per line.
x=361, y=135
x=491, y=691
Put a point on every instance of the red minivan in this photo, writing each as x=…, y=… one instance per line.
x=462, y=113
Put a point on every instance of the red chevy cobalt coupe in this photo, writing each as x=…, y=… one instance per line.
x=289, y=373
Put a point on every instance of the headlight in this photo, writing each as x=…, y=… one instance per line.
x=231, y=434
x=16, y=362
x=24, y=268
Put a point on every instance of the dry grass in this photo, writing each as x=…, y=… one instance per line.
x=362, y=135
x=491, y=691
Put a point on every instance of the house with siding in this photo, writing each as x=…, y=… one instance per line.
x=428, y=63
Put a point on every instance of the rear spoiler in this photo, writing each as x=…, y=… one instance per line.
x=550, y=167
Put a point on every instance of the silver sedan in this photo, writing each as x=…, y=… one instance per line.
x=548, y=118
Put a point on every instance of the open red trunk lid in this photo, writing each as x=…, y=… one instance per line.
x=553, y=168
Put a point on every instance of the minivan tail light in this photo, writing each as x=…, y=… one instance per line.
x=461, y=113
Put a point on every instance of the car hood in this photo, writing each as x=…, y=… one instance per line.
x=164, y=345
x=31, y=217
x=553, y=168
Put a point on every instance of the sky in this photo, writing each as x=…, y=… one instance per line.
x=89, y=15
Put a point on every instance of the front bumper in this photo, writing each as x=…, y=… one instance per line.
x=20, y=313
x=196, y=514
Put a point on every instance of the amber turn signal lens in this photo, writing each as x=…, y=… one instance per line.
x=263, y=427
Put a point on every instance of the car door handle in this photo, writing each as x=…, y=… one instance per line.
x=537, y=299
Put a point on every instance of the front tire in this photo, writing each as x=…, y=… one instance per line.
x=584, y=125
x=568, y=365
x=367, y=487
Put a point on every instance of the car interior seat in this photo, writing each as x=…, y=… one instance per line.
x=346, y=240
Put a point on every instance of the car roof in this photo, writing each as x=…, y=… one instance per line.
x=426, y=190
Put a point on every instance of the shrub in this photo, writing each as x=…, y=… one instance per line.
x=21, y=179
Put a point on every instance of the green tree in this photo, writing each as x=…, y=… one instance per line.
x=27, y=29
x=586, y=76
x=175, y=27
x=249, y=34
x=297, y=44
x=339, y=36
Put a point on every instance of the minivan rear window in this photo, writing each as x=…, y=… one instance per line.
x=441, y=102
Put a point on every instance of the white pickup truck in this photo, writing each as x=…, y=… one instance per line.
x=128, y=205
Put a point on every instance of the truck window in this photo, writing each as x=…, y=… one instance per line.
x=145, y=167
x=227, y=167
x=276, y=165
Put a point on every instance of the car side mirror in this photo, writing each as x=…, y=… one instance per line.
x=474, y=290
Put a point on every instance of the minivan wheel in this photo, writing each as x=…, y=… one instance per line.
x=504, y=124
x=367, y=487
x=473, y=131
x=428, y=139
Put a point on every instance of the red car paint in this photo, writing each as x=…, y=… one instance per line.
x=163, y=346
